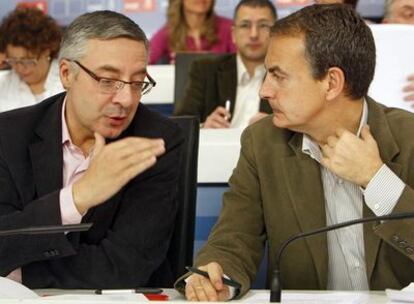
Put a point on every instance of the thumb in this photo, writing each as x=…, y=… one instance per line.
x=99, y=144
x=366, y=133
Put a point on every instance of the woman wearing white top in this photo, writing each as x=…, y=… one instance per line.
x=30, y=40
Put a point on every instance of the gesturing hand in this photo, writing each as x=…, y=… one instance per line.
x=112, y=167
x=352, y=158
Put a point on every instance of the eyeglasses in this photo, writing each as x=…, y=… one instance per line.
x=247, y=26
x=113, y=86
x=24, y=62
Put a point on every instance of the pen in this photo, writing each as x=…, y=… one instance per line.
x=227, y=107
x=226, y=281
x=136, y=290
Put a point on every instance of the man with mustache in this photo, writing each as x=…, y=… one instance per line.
x=92, y=154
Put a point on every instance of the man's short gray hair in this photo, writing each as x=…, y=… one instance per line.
x=104, y=25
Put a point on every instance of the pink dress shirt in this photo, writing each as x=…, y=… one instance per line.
x=74, y=166
x=159, y=47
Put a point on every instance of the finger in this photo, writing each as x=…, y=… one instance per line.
x=209, y=289
x=135, y=146
x=366, y=134
x=340, y=131
x=326, y=162
x=411, y=77
x=327, y=151
x=224, y=294
x=99, y=144
x=219, y=122
x=190, y=293
x=199, y=291
x=409, y=88
x=332, y=141
x=134, y=169
x=141, y=144
x=215, y=272
x=409, y=98
x=221, y=111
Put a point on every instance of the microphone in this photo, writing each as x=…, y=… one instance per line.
x=46, y=229
x=276, y=283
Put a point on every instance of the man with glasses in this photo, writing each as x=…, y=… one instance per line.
x=93, y=154
x=224, y=91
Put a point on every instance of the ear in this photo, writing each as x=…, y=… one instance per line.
x=335, y=83
x=66, y=73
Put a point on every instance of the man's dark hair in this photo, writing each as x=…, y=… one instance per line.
x=335, y=36
x=352, y=3
x=256, y=3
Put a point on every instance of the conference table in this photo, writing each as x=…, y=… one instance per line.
x=254, y=296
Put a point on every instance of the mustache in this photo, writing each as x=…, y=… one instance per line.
x=117, y=111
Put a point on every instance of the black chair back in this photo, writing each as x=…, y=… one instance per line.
x=182, y=242
x=180, y=252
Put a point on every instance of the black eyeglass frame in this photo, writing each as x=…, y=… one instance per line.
x=147, y=85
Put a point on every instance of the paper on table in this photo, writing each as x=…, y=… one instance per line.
x=334, y=297
x=13, y=290
x=91, y=298
x=405, y=295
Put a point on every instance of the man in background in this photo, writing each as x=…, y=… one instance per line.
x=328, y=154
x=402, y=12
x=92, y=154
x=224, y=91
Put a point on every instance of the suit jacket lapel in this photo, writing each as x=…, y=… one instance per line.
x=389, y=150
x=46, y=152
x=227, y=81
x=305, y=189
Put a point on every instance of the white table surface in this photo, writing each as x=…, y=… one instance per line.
x=372, y=297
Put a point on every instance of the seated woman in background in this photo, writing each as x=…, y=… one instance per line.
x=30, y=41
x=192, y=26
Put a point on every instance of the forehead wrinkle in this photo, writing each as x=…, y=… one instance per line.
x=110, y=68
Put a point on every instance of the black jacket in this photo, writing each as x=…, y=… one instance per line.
x=131, y=231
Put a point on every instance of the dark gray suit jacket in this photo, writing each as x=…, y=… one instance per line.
x=212, y=81
x=131, y=231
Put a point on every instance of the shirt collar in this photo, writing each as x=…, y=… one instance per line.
x=243, y=76
x=311, y=147
x=65, y=131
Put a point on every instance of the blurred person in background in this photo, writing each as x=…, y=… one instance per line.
x=353, y=3
x=192, y=26
x=233, y=78
x=401, y=11
x=3, y=64
x=30, y=40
